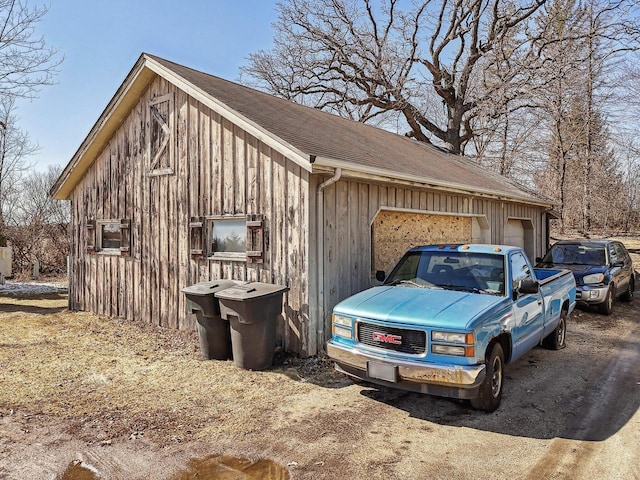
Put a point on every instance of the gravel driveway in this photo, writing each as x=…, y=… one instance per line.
x=132, y=401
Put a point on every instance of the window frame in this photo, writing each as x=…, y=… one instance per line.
x=232, y=256
x=515, y=281
x=124, y=229
x=100, y=224
x=621, y=252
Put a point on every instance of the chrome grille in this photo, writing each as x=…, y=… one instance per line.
x=412, y=342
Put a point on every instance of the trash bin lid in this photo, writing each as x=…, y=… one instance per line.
x=209, y=288
x=249, y=291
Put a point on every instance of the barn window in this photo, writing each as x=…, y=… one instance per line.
x=161, y=135
x=112, y=236
x=227, y=237
x=236, y=238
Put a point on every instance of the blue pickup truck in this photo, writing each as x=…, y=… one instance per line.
x=448, y=318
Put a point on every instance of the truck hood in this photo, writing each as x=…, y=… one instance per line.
x=418, y=306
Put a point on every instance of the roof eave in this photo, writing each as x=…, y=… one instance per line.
x=371, y=173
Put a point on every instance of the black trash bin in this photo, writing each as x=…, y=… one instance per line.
x=214, y=333
x=252, y=310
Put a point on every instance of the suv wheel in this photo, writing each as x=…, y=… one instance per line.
x=606, y=307
x=628, y=295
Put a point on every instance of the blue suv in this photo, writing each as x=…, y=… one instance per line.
x=602, y=268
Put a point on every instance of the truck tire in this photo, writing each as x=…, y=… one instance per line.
x=606, y=307
x=490, y=392
x=557, y=339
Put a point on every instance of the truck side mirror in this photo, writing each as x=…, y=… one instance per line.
x=538, y=259
x=380, y=275
x=529, y=286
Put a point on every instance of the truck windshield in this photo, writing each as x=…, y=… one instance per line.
x=576, y=254
x=452, y=270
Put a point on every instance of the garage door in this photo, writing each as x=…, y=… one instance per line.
x=393, y=233
x=514, y=233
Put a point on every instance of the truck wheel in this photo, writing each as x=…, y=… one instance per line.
x=557, y=339
x=606, y=307
x=490, y=392
x=628, y=295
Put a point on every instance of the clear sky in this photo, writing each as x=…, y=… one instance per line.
x=102, y=39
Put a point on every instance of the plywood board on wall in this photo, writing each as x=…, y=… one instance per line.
x=393, y=233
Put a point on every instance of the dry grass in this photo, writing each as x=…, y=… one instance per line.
x=108, y=378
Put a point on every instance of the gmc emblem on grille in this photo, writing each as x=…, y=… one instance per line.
x=387, y=338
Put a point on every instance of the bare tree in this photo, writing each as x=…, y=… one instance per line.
x=26, y=62
x=580, y=49
x=39, y=228
x=15, y=147
x=366, y=59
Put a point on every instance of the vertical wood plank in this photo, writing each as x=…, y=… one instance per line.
x=188, y=199
x=253, y=205
x=296, y=330
x=228, y=159
x=364, y=280
x=266, y=196
x=423, y=201
x=240, y=172
x=153, y=236
x=252, y=186
x=391, y=197
x=344, y=271
x=415, y=199
x=383, y=193
x=308, y=331
x=374, y=205
x=201, y=168
x=136, y=216
x=354, y=246
x=216, y=165
x=280, y=235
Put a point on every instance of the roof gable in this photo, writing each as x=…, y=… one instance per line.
x=305, y=135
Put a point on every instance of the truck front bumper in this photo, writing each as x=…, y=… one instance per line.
x=454, y=381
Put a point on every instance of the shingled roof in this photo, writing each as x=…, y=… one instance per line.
x=312, y=136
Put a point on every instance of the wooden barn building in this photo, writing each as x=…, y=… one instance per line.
x=188, y=177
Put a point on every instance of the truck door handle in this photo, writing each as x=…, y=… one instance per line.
x=539, y=301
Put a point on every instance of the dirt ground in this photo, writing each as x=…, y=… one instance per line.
x=126, y=400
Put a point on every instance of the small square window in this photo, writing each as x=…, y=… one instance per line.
x=112, y=236
x=228, y=237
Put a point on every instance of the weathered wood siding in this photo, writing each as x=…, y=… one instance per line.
x=349, y=208
x=219, y=169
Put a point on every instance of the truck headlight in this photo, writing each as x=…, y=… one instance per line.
x=341, y=320
x=593, y=278
x=464, y=343
x=452, y=337
x=342, y=326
